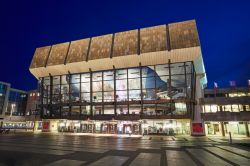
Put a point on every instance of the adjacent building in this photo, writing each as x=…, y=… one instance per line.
x=227, y=110
x=142, y=81
x=12, y=101
x=4, y=95
x=33, y=101
x=18, y=109
x=12, y=107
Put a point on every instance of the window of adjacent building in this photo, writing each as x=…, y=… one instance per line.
x=207, y=108
x=227, y=108
x=214, y=108
x=241, y=107
x=247, y=107
x=235, y=108
x=239, y=94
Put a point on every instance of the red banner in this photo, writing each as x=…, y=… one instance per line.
x=197, y=127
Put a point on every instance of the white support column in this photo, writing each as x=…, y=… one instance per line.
x=197, y=124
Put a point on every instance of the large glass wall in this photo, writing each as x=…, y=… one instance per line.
x=166, y=127
x=16, y=103
x=3, y=91
x=166, y=89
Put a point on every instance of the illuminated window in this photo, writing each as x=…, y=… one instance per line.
x=207, y=108
x=241, y=107
x=227, y=108
x=233, y=94
x=241, y=94
x=214, y=108
x=235, y=108
x=247, y=107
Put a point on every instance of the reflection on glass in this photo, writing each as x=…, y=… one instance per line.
x=85, y=87
x=97, y=76
x=149, y=83
x=134, y=95
x=162, y=70
x=134, y=83
x=108, y=96
x=134, y=73
x=85, y=77
x=177, y=68
x=97, y=86
x=97, y=97
x=121, y=95
x=149, y=94
x=148, y=71
x=121, y=109
x=109, y=109
x=121, y=74
x=85, y=110
x=108, y=75
x=108, y=85
x=135, y=109
x=75, y=78
x=56, y=80
x=85, y=97
x=75, y=110
x=121, y=84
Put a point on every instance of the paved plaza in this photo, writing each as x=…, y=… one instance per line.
x=76, y=150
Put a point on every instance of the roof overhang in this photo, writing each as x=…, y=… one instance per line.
x=146, y=59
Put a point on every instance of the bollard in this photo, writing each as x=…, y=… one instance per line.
x=230, y=137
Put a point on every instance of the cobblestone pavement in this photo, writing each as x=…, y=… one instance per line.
x=74, y=150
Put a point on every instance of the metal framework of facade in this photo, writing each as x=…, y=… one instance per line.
x=162, y=88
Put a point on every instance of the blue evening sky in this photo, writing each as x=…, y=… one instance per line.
x=223, y=26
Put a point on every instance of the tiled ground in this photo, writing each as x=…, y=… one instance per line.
x=63, y=150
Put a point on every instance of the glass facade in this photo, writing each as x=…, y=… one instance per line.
x=166, y=89
x=3, y=91
x=145, y=127
x=17, y=103
x=237, y=128
x=166, y=127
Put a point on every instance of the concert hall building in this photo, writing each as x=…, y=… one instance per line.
x=142, y=81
